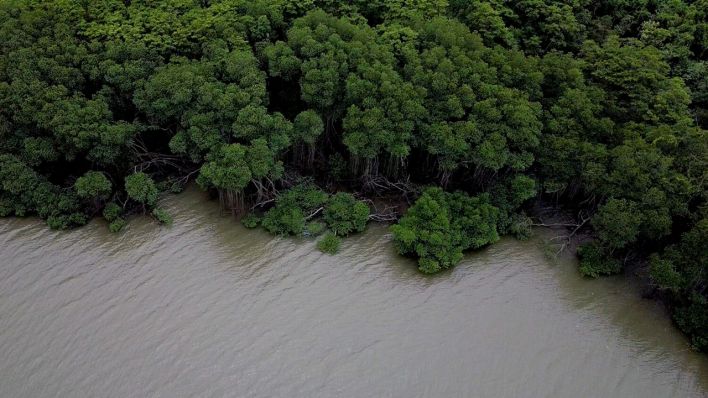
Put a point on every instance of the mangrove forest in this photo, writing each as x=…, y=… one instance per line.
x=456, y=121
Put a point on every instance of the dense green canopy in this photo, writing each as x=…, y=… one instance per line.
x=599, y=107
x=441, y=225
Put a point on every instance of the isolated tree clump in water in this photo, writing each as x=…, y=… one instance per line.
x=441, y=225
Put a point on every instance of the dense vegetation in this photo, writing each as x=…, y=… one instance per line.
x=597, y=106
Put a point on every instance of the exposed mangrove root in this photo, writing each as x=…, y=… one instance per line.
x=564, y=241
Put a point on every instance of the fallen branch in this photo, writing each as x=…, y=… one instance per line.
x=380, y=184
x=553, y=225
x=388, y=214
x=262, y=203
x=565, y=240
x=183, y=180
x=314, y=213
x=383, y=217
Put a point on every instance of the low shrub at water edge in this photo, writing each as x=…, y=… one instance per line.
x=329, y=243
x=344, y=214
x=315, y=228
x=251, y=220
x=441, y=225
x=117, y=225
x=162, y=216
x=594, y=262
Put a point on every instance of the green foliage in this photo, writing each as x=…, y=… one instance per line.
x=293, y=208
x=251, y=220
x=337, y=167
x=24, y=192
x=617, y=223
x=594, y=261
x=117, y=225
x=284, y=220
x=533, y=25
x=162, y=216
x=315, y=228
x=39, y=150
x=93, y=185
x=440, y=226
x=308, y=126
x=344, y=214
x=62, y=221
x=141, y=188
x=226, y=169
x=664, y=274
x=232, y=167
x=112, y=212
x=520, y=226
x=521, y=189
x=508, y=195
x=329, y=243
x=306, y=196
x=693, y=320
x=682, y=270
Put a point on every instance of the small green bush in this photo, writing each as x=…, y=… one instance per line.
x=141, y=188
x=306, y=196
x=344, y=214
x=112, y=211
x=93, y=185
x=315, y=228
x=176, y=187
x=440, y=226
x=594, y=262
x=6, y=207
x=116, y=225
x=66, y=221
x=251, y=220
x=692, y=318
x=162, y=216
x=329, y=243
x=284, y=220
x=520, y=227
x=664, y=274
x=292, y=207
x=337, y=166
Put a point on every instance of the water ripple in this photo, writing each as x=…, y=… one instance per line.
x=206, y=308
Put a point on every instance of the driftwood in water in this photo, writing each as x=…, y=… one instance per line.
x=565, y=240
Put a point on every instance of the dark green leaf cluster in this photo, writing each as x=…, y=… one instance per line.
x=441, y=225
x=23, y=192
x=251, y=220
x=345, y=215
x=329, y=243
x=162, y=216
x=293, y=209
x=595, y=261
x=298, y=211
x=681, y=271
x=93, y=185
x=113, y=214
x=141, y=188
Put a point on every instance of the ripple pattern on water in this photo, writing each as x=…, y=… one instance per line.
x=207, y=308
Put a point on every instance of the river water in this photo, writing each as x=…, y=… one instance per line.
x=206, y=308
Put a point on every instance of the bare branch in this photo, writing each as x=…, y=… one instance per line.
x=314, y=213
x=262, y=203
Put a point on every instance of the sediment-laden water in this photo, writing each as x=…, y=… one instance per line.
x=206, y=308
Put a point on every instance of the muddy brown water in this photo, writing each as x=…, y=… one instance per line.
x=206, y=308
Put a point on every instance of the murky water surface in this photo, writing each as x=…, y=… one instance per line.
x=207, y=308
